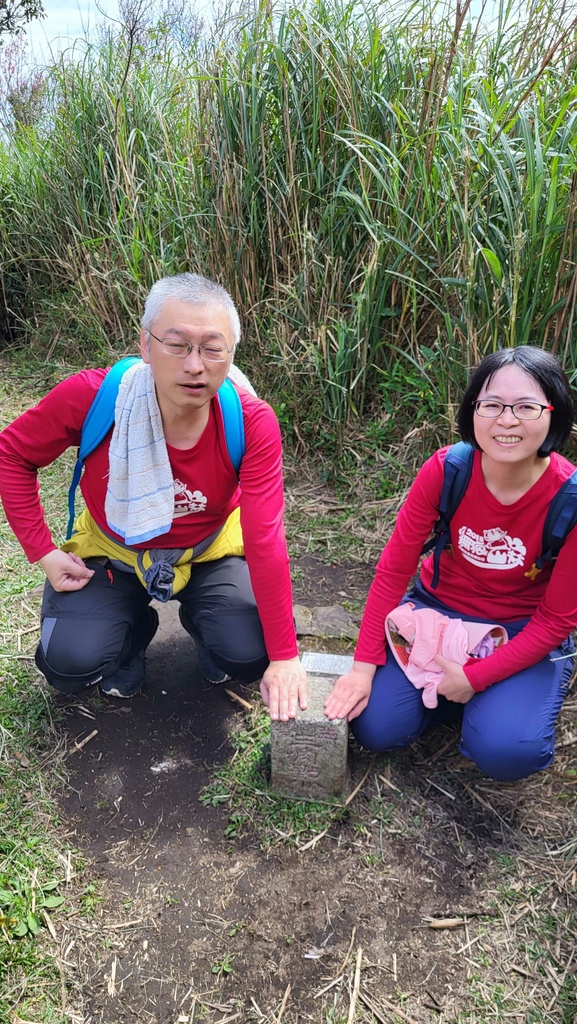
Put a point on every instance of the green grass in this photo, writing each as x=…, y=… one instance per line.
x=33, y=888
x=35, y=865
x=243, y=785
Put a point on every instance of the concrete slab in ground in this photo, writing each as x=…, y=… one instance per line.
x=309, y=752
x=330, y=621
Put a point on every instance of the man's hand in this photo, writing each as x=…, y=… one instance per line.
x=454, y=685
x=65, y=571
x=284, y=688
x=350, y=694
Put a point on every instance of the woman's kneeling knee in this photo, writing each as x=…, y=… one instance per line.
x=507, y=762
x=379, y=736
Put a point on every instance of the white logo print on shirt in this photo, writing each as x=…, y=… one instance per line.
x=494, y=550
x=186, y=501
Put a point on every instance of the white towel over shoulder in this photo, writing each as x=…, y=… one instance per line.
x=140, y=496
x=238, y=377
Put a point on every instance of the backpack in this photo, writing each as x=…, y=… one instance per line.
x=560, y=519
x=100, y=418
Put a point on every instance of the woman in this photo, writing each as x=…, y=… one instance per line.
x=517, y=412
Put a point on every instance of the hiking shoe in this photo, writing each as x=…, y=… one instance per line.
x=223, y=677
x=209, y=670
x=127, y=680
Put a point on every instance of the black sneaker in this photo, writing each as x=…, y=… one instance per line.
x=223, y=677
x=128, y=679
x=209, y=670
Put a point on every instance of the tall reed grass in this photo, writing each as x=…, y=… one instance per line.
x=377, y=189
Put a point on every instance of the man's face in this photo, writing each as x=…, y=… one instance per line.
x=187, y=383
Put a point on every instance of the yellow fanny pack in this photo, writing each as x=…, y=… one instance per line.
x=163, y=571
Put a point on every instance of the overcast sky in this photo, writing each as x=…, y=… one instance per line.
x=67, y=20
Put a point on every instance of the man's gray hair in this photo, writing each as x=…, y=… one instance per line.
x=196, y=291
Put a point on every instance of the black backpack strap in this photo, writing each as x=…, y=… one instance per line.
x=560, y=519
x=457, y=473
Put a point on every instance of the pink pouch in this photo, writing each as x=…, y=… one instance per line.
x=417, y=635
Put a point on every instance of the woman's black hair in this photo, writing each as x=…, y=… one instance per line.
x=545, y=371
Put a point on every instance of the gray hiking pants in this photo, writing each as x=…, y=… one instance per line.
x=86, y=635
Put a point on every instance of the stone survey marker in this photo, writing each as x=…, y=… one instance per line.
x=309, y=753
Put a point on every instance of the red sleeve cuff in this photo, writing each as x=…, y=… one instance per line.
x=478, y=685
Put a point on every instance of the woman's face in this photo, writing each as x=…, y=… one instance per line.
x=506, y=438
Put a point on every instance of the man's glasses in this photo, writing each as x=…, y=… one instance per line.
x=210, y=352
x=521, y=410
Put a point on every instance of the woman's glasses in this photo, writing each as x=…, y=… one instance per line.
x=521, y=410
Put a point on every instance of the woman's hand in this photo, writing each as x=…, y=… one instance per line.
x=351, y=692
x=454, y=685
x=65, y=571
x=284, y=688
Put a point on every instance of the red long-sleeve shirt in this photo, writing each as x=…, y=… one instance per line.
x=482, y=577
x=206, y=490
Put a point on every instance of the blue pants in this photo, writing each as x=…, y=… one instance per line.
x=507, y=730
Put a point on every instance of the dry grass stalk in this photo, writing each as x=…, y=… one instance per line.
x=356, y=987
x=313, y=842
x=446, y=922
x=359, y=785
x=79, y=746
x=331, y=984
x=390, y=1006
x=283, y=1005
x=239, y=700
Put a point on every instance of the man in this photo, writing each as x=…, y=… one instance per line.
x=166, y=514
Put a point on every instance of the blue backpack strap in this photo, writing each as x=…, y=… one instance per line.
x=99, y=419
x=457, y=473
x=233, y=420
x=560, y=519
x=100, y=416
